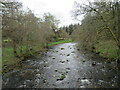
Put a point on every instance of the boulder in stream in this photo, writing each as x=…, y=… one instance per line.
x=93, y=63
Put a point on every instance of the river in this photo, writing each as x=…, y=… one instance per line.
x=63, y=66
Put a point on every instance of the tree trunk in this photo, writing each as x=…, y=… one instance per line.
x=118, y=65
x=14, y=50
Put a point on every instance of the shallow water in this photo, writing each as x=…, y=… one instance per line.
x=81, y=70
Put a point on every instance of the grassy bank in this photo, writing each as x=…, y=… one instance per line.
x=9, y=62
x=107, y=49
x=60, y=42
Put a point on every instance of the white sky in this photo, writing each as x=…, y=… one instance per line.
x=59, y=8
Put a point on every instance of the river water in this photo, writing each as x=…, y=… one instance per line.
x=63, y=66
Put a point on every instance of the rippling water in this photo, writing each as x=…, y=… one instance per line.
x=81, y=70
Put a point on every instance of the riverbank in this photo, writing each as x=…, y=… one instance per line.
x=9, y=62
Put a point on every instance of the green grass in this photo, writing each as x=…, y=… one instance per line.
x=60, y=42
x=62, y=76
x=107, y=49
x=7, y=55
x=8, y=59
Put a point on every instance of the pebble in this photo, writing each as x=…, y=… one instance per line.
x=93, y=63
x=67, y=60
x=68, y=54
x=62, y=48
x=66, y=71
x=62, y=61
x=38, y=75
x=56, y=70
x=68, y=68
x=44, y=81
x=53, y=58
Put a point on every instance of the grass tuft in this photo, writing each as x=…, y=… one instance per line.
x=107, y=49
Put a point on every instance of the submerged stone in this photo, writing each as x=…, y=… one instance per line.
x=67, y=60
x=68, y=68
x=56, y=70
x=62, y=48
x=93, y=63
x=62, y=61
x=44, y=81
x=53, y=58
x=68, y=54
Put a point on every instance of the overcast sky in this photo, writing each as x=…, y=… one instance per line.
x=59, y=8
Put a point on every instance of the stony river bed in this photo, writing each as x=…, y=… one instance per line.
x=63, y=66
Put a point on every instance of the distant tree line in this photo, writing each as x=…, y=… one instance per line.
x=70, y=28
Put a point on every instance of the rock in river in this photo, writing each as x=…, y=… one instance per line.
x=62, y=48
x=68, y=54
x=93, y=63
x=62, y=61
